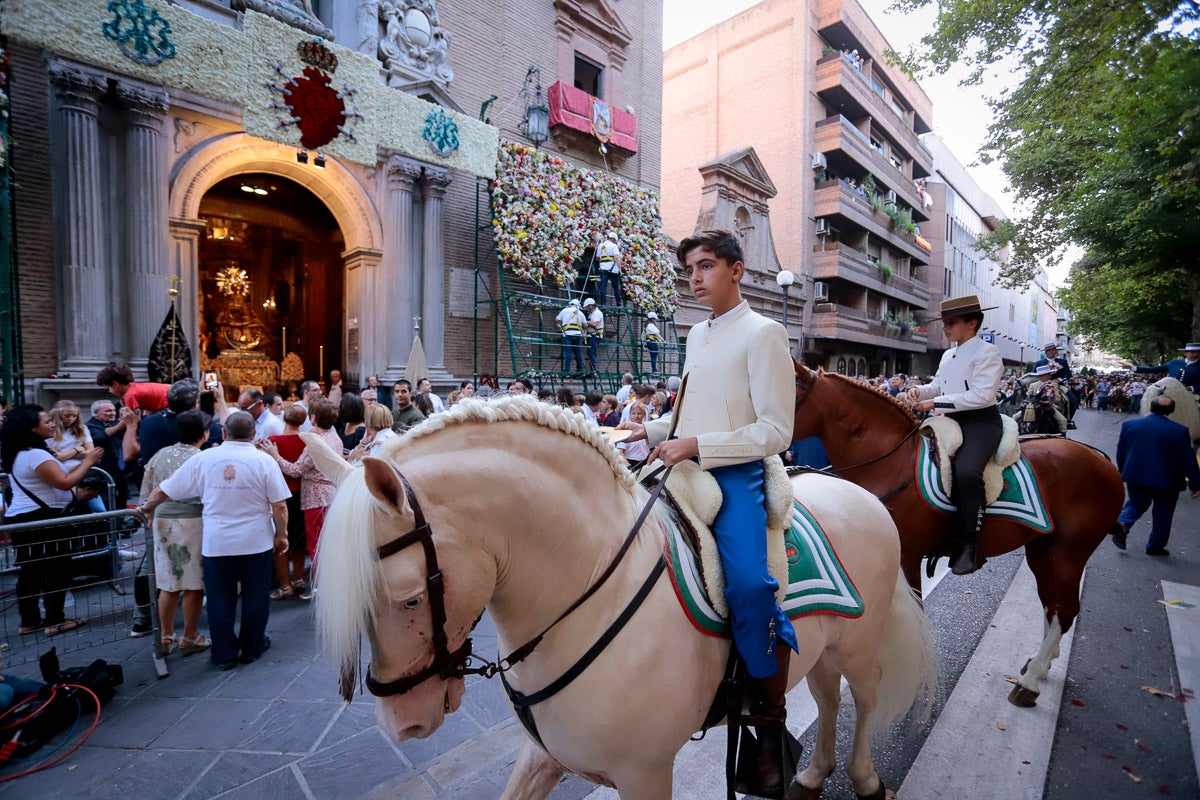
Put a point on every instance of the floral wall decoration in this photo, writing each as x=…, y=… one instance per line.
x=546, y=212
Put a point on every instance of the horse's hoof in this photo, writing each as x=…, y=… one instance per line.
x=798, y=791
x=1022, y=697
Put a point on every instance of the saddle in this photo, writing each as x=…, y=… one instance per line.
x=696, y=499
x=946, y=436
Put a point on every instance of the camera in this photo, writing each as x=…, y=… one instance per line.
x=210, y=382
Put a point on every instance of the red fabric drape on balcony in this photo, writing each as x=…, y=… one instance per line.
x=573, y=107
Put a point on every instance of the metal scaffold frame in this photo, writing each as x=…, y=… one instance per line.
x=524, y=316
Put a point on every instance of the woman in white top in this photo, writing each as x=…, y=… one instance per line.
x=71, y=442
x=41, y=489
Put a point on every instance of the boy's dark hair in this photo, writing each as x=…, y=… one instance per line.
x=722, y=243
x=114, y=372
x=192, y=425
x=269, y=398
x=593, y=397
x=402, y=382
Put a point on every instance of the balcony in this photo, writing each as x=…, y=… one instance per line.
x=833, y=321
x=837, y=262
x=579, y=111
x=849, y=92
x=848, y=150
x=836, y=201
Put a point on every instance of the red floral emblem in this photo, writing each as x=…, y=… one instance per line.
x=319, y=111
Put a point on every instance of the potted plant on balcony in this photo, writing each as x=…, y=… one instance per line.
x=885, y=270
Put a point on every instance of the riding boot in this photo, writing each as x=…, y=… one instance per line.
x=770, y=710
x=964, y=549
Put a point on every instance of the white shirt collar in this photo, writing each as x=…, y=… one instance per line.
x=714, y=321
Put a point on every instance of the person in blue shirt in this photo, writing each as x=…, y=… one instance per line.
x=1186, y=370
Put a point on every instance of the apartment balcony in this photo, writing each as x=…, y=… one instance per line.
x=849, y=92
x=837, y=262
x=848, y=150
x=845, y=207
x=576, y=110
x=844, y=323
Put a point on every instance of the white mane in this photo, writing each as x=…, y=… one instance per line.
x=346, y=563
x=1186, y=413
x=515, y=408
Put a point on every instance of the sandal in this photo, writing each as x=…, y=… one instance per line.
x=168, y=644
x=284, y=593
x=190, y=647
x=64, y=626
x=28, y=629
x=299, y=585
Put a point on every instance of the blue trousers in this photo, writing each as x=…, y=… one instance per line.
x=740, y=530
x=605, y=277
x=572, y=349
x=226, y=578
x=653, y=348
x=1141, y=498
x=592, y=345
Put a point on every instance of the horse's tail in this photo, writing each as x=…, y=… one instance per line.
x=909, y=674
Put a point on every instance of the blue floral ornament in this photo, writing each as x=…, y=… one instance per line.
x=441, y=131
x=141, y=33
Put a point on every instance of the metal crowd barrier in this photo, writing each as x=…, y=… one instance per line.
x=111, y=568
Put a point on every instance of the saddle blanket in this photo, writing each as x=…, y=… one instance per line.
x=817, y=583
x=1020, y=500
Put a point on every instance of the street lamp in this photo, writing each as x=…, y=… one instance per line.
x=785, y=278
x=536, y=125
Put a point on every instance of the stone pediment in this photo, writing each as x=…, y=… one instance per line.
x=597, y=17
x=740, y=170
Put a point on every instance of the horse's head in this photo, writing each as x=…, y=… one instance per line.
x=807, y=422
x=404, y=581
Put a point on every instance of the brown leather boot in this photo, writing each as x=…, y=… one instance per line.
x=771, y=705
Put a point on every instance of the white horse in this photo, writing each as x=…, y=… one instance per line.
x=526, y=505
x=1187, y=411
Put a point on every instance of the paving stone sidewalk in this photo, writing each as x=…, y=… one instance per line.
x=275, y=728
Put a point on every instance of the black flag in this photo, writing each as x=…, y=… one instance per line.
x=170, y=356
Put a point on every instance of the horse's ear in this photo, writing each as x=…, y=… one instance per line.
x=384, y=484
x=331, y=464
x=801, y=370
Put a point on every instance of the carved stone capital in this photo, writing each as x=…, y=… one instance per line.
x=75, y=89
x=292, y=12
x=436, y=182
x=146, y=108
x=402, y=172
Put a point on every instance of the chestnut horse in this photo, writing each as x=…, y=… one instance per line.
x=871, y=439
x=517, y=507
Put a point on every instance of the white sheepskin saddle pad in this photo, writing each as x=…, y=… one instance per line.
x=699, y=499
x=947, y=438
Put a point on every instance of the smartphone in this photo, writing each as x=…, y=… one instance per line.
x=210, y=382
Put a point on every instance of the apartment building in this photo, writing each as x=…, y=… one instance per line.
x=838, y=131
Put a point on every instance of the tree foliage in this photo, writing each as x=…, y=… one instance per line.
x=1101, y=138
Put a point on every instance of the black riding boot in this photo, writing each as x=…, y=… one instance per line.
x=770, y=709
x=964, y=549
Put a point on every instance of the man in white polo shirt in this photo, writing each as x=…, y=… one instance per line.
x=245, y=525
x=266, y=424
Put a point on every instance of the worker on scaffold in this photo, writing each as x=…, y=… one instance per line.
x=595, y=329
x=608, y=256
x=571, y=323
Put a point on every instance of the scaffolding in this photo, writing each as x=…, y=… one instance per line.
x=526, y=342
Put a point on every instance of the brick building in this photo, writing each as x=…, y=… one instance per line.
x=837, y=129
x=208, y=149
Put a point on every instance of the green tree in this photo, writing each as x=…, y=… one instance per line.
x=1101, y=139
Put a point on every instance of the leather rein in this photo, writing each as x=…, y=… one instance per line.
x=449, y=664
x=802, y=391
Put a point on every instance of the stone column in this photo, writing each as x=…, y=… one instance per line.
x=398, y=276
x=433, y=301
x=143, y=283
x=85, y=327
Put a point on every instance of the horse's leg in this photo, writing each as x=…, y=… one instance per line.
x=646, y=785
x=910, y=563
x=534, y=775
x=825, y=686
x=863, y=676
x=1058, y=589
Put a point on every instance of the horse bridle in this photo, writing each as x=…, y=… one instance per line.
x=449, y=664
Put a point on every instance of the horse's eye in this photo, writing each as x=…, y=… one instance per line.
x=412, y=603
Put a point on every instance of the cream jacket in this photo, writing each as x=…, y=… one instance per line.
x=741, y=390
x=968, y=378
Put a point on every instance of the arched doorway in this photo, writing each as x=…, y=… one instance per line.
x=289, y=247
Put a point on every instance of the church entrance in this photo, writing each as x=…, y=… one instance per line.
x=271, y=284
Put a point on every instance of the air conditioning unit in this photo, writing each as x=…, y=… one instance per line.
x=822, y=226
x=891, y=197
x=818, y=162
x=820, y=290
